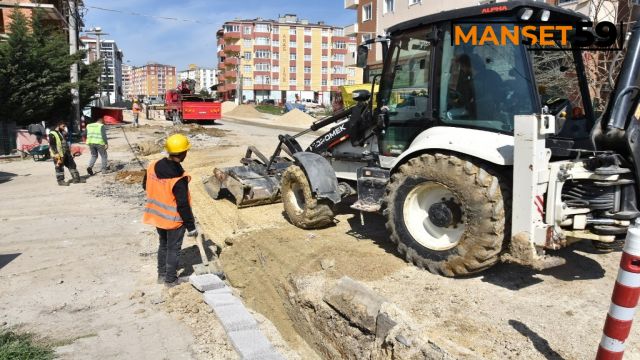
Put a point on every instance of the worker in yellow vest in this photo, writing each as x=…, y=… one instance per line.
x=168, y=206
x=98, y=144
x=61, y=155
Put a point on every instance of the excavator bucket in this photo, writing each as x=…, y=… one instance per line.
x=248, y=184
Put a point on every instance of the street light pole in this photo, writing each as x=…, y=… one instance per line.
x=239, y=83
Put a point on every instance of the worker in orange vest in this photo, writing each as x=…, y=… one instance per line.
x=136, y=112
x=168, y=206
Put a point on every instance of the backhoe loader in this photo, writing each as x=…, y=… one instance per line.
x=473, y=153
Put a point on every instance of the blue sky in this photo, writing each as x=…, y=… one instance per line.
x=180, y=43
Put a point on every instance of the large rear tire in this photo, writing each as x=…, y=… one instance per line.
x=448, y=214
x=303, y=209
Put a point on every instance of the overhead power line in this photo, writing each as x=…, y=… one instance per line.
x=151, y=16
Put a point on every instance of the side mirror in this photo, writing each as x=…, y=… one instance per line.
x=363, y=53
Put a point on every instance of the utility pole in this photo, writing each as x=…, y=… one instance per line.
x=238, y=85
x=73, y=49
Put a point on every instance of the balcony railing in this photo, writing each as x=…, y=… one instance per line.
x=351, y=4
x=351, y=30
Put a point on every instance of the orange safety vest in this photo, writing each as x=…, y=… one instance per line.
x=161, y=209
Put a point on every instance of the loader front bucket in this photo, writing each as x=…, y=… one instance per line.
x=246, y=184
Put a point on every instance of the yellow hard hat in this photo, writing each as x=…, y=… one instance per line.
x=135, y=100
x=176, y=144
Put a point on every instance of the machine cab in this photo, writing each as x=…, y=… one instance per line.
x=431, y=78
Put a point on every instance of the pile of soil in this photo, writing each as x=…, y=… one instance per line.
x=148, y=148
x=246, y=111
x=198, y=129
x=228, y=106
x=130, y=177
x=296, y=117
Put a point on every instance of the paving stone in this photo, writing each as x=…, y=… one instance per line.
x=220, y=299
x=251, y=344
x=224, y=290
x=206, y=282
x=235, y=317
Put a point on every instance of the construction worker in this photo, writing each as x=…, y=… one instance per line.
x=168, y=206
x=98, y=144
x=136, y=112
x=61, y=155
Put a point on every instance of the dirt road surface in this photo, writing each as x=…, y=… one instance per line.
x=81, y=270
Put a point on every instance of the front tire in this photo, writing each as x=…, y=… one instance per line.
x=303, y=209
x=447, y=214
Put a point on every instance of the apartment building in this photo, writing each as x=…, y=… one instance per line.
x=54, y=12
x=153, y=80
x=111, y=77
x=285, y=60
x=374, y=17
x=127, y=84
x=205, y=78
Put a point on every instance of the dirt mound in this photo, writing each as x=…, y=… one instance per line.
x=148, y=148
x=295, y=117
x=130, y=177
x=228, y=106
x=246, y=111
x=198, y=129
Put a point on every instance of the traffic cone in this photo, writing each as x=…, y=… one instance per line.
x=624, y=299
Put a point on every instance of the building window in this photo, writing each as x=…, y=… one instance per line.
x=337, y=57
x=292, y=69
x=275, y=43
x=351, y=82
x=325, y=45
x=324, y=82
x=325, y=58
x=292, y=82
x=324, y=70
x=325, y=32
x=263, y=41
x=263, y=54
x=246, y=68
x=307, y=57
x=247, y=42
x=292, y=56
x=307, y=82
x=247, y=30
x=247, y=55
x=276, y=30
x=338, y=82
x=262, y=28
x=275, y=56
x=307, y=70
x=307, y=31
x=231, y=28
x=366, y=12
x=247, y=81
x=263, y=67
x=293, y=44
x=388, y=6
x=413, y=2
x=339, y=45
x=340, y=31
x=307, y=45
x=275, y=69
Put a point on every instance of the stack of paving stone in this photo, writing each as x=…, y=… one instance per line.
x=240, y=325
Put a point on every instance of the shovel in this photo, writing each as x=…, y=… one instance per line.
x=207, y=266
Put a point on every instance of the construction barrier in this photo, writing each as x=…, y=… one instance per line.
x=624, y=299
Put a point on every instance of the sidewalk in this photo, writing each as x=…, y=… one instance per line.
x=71, y=269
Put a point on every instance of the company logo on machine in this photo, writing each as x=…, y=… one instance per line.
x=540, y=34
x=328, y=137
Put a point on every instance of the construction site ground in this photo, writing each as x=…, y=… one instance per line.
x=76, y=266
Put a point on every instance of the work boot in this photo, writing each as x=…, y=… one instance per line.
x=76, y=177
x=90, y=171
x=63, y=183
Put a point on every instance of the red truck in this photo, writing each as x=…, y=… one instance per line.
x=182, y=104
